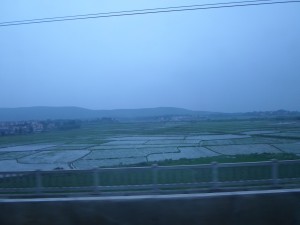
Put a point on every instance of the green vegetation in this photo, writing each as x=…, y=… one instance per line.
x=226, y=159
x=95, y=133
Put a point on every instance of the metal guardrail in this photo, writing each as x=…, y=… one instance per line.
x=154, y=179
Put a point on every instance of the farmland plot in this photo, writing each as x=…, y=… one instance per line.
x=286, y=134
x=244, y=149
x=218, y=142
x=185, y=152
x=243, y=141
x=164, y=149
x=145, y=143
x=15, y=155
x=125, y=142
x=112, y=154
x=119, y=144
x=13, y=165
x=254, y=132
x=147, y=138
x=290, y=148
x=26, y=148
x=54, y=156
x=191, y=142
x=165, y=142
x=197, y=151
x=215, y=137
x=71, y=147
x=92, y=163
x=115, y=147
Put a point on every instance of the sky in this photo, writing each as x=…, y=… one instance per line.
x=225, y=60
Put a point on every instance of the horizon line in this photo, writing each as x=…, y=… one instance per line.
x=157, y=107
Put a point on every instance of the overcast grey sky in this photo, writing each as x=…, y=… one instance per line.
x=228, y=60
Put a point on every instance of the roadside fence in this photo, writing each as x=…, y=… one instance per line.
x=153, y=179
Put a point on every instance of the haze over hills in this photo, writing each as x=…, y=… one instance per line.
x=54, y=113
x=44, y=113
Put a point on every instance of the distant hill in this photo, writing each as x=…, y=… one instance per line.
x=54, y=113
x=44, y=113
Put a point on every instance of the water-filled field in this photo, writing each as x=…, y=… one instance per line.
x=125, y=144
